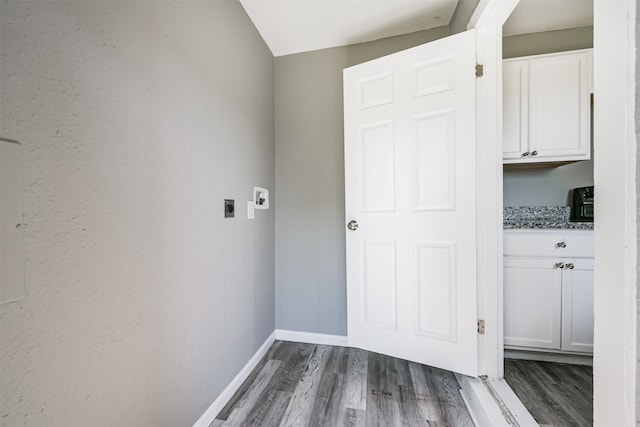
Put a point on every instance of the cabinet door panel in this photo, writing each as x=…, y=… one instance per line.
x=532, y=302
x=559, y=111
x=577, y=306
x=515, y=100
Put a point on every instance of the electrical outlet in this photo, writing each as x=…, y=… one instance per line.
x=229, y=208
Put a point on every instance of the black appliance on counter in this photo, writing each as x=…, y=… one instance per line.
x=582, y=206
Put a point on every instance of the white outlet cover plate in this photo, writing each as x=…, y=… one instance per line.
x=251, y=213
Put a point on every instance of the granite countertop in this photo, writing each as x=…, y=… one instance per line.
x=542, y=217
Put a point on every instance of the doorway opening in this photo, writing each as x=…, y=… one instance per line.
x=548, y=282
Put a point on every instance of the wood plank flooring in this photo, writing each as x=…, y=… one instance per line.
x=556, y=394
x=299, y=385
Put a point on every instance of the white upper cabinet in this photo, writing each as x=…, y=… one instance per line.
x=547, y=111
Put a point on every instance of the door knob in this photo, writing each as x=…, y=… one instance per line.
x=559, y=265
x=570, y=266
x=561, y=245
x=352, y=225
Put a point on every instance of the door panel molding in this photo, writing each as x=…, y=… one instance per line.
x=436, y=320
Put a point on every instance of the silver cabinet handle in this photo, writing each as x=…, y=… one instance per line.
x=559, y=265
x=525, y=154
x=534, y=153
x=570, y=266
x=352, y=225
x=561, y=245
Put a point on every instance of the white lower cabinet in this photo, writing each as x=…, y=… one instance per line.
x=548, y=299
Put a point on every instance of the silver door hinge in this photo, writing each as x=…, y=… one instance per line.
x=479, y=70
x=480, y=327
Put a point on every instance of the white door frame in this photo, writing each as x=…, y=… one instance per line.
x=616, y=238
x=615, y=171
x=487, y=20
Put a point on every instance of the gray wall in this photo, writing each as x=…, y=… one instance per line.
x=546, y=186
x=310, y=244
x=547, y=42
x=461, y=16
x=136, y=120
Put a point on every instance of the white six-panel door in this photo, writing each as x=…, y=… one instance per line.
x=410, y=172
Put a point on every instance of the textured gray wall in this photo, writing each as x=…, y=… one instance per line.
x=136, y=120
x=546, y=186
x=310, y=243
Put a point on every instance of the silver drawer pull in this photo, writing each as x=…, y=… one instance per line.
x=559, y=265
x=525, y=154
x=534, y=153
x=570, y=266
x=561, y=245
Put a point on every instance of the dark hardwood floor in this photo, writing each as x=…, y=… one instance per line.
x=556, y=394
x=317, y=385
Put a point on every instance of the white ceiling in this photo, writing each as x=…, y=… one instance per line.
x=293, y=26
x=535, y=16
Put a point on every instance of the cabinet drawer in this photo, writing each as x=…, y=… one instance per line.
x=543, y=243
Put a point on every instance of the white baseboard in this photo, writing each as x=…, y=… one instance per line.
x=212, y=412
x=311, y=337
